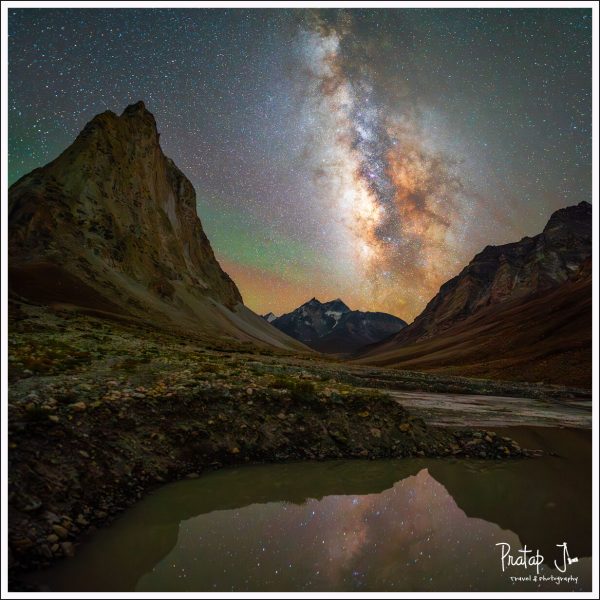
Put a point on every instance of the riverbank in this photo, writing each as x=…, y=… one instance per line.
x=493, y=412
x=99, y=414
x=75, y=464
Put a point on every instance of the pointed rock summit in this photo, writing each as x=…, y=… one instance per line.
x=111, y=225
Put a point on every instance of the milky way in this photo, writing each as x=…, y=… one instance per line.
x=361, y=154
x=401, y=204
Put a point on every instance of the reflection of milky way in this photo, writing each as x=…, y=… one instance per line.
x=408, y=524
x=410, y=537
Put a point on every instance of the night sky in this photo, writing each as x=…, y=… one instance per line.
x=361, y=154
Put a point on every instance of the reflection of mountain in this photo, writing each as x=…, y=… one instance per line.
x=148, y=532
x=543, y=501
x=518, y=496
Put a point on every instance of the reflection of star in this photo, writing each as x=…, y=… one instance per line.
x=408, y=537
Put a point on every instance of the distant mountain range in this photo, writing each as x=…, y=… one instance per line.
x=333, y=328
x=516, y=311
x=110, y=226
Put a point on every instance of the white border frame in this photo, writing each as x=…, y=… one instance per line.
x=293, y=4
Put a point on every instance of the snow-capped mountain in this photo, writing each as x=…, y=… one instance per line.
x=333, y=327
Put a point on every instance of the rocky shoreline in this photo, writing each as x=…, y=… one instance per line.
x=75, y=465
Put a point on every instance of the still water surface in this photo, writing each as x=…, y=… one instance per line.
x=389, y=525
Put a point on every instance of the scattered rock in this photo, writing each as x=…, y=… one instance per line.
x=60, y=531
x=45, y=551
x=22, y=543
x=104, y=458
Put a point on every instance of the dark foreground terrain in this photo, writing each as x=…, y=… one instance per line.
x=100, y=412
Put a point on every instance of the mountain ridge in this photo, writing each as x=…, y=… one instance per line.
x=520, y=311
x=332, y=327
x=111, y=226
x=508, y=271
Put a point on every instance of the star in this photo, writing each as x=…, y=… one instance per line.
x=365, y=154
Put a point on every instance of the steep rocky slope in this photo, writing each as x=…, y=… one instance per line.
x=111, y=226
x=521, y=311
x=502, y=273
x=332, y=327
x=546, y=337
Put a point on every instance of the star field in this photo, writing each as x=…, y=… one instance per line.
x=361, y=154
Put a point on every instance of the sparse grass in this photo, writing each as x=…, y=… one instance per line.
x=299, y=390
x=46, y=357
x=132, y=363
x=281, y=383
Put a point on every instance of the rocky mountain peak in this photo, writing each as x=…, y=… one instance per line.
x=333, y=327
x=312, y=302
x=115, y=212
x=136, y=125
x=336, y=305
x=137, y=109
x=510, y=271
x=574, y=218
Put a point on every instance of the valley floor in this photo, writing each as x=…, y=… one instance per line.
x=100, y=412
